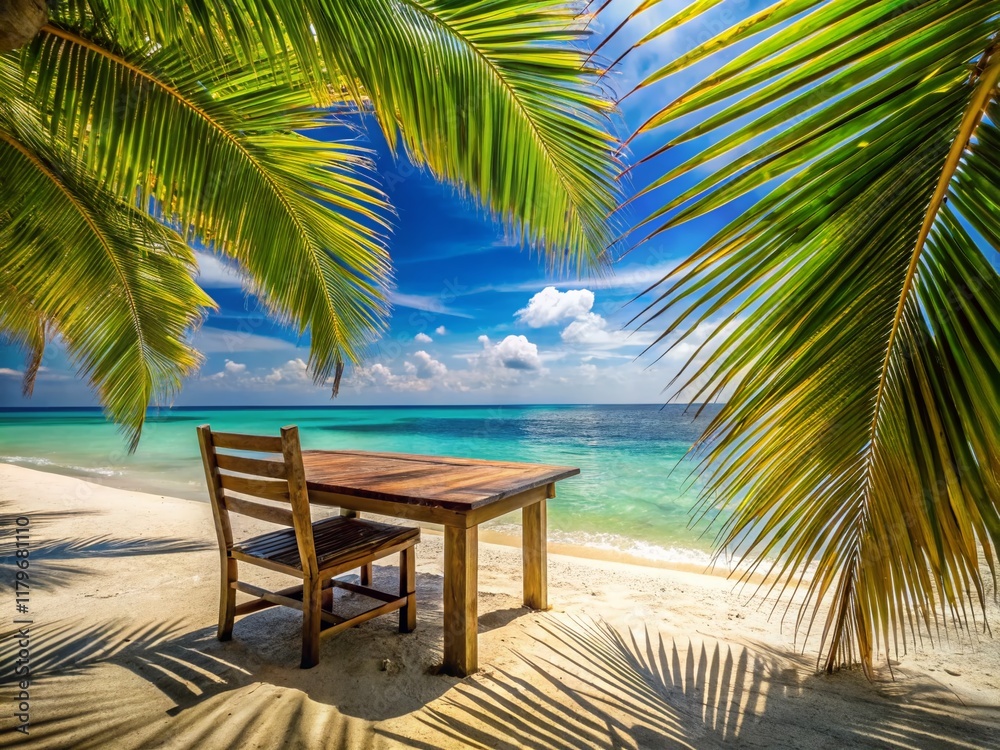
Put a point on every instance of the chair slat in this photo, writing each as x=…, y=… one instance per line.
x=337, y=539
x=259, y=511
x=254, y=466
x=237, y=442
x=269, y=489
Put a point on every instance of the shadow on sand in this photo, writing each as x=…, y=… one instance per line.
x=566, y=683
x=95, y=678
x=587, y=685
x=61, y=562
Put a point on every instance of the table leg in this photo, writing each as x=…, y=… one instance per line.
x=461, y=624
x=535, y=555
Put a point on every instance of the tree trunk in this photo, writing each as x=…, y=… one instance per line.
x=20, y=20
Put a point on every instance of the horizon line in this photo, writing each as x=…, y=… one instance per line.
x=207, y=407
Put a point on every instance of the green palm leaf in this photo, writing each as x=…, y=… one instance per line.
x=859, y=308
x=113, y=282
x=429, y=61
x=495, y=96
x=215, y=149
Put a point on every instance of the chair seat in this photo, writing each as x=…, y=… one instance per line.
x=338, y=540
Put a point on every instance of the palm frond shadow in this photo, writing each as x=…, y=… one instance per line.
x=105, y=545
x=588, y=685
x=56, y=563
x=209, y=698
x=8, y=516
x=95, y=679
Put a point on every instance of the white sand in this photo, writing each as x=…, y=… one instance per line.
x=123, y=654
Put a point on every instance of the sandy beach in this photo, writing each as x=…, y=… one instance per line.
x=123, y=654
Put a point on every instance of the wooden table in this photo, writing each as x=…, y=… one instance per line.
x=460, y=494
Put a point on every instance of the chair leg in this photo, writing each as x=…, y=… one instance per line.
x=366, y=575
x=312, y=600
x=408, y=588
x=227, y=599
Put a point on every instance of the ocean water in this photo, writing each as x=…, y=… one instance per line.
x=634, y=495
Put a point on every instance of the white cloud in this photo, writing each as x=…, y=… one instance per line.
x=421, y=374
x=218, y=341
x=426, y=303
x=44, y=373
x=513, y=353
x=376, y=374
x=593, y=332
x=213, y=272
x=423, y=338
x=441, y=331
x=509, y=367
x=294, y=371
x=231, y=368
x=425, y=367
x=550, y=306
x=586, y=329
x=513, y=361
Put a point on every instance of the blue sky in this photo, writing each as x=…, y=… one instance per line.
x=476, y=320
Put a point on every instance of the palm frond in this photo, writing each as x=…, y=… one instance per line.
x=862, y=304
x=498, y=98
x=495, y=97
x=214, y=148
x=114, y=283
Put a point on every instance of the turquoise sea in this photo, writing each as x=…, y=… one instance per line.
x=634, y=494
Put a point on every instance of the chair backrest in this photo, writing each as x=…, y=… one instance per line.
x=279, y=479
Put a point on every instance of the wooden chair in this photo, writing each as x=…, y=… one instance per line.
x=312, y=552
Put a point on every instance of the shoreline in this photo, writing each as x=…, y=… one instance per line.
x=147, y=484
x=584, y=552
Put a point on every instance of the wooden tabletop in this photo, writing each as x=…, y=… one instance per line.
x=460, y=484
